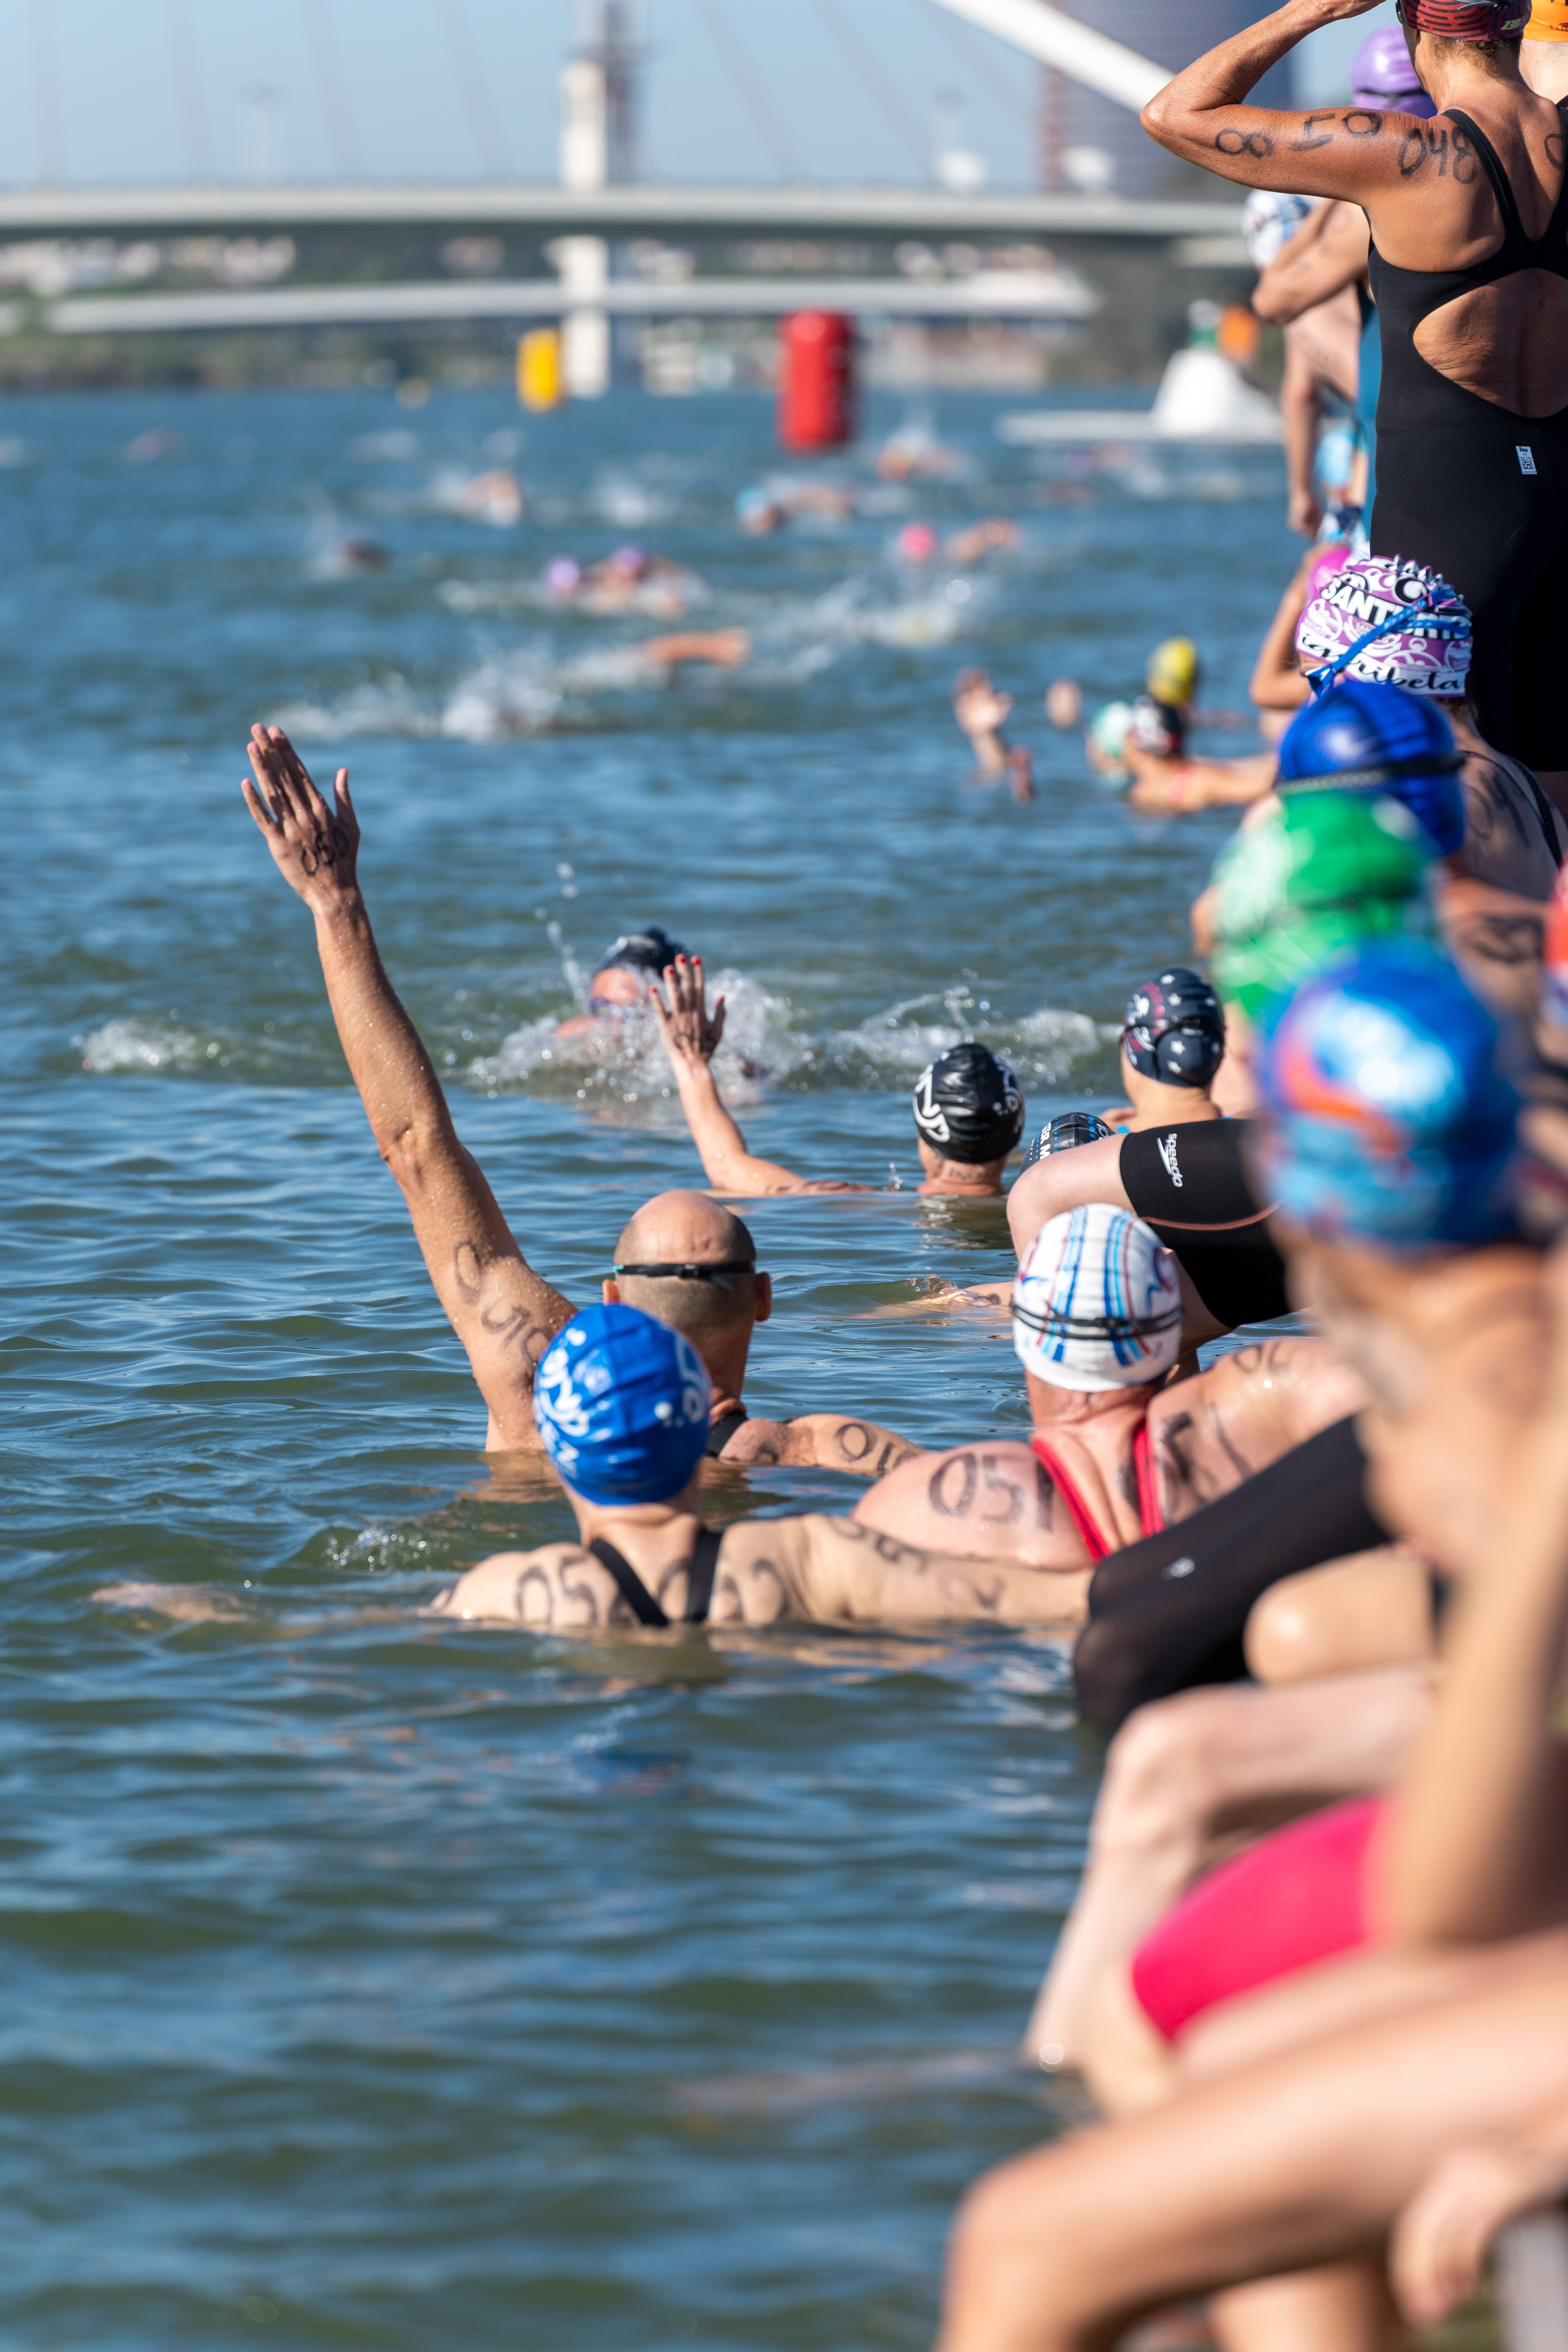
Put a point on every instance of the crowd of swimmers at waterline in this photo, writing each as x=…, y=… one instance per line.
x=1315, y=1579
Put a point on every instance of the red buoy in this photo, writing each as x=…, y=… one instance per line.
x=817, y=379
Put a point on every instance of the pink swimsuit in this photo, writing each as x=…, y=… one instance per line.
x=1297, y=1897
x=1152, y=1519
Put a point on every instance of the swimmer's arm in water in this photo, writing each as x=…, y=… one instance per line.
x=821, y=1440
x=852, y=1574
x=1177, y=787
x=1201, y=114
x=723, y=648
x=691, y=1037
x=504, y=1313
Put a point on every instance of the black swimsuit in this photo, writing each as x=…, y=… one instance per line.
x=725, y=1429
x=701, y=1568
x=1472, y=490
x=1190, y=1182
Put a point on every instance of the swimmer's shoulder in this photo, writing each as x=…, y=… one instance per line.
x=558, y=1587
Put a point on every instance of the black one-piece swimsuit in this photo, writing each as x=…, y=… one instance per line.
x=1475, y=491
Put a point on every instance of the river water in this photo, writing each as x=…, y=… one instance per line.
x=376, y=1983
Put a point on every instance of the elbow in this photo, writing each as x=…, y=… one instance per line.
x=1159, y=118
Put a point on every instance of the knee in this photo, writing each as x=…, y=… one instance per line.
x=1159, y=1783
x=1000, y=2258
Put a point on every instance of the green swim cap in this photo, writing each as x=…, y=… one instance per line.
x=1327, y=872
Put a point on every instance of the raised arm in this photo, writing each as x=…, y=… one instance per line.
x=504, y=1314
x=1202, y=115
x=1065, y=1180
x=691, y=1036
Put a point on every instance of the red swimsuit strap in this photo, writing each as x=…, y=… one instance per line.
x=1094, y=1542
x=1151, y=1517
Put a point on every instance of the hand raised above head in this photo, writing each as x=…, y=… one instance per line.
x=314, y=847
x=977, y=706
x=690, y=1031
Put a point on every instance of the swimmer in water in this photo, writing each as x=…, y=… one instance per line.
x=760, y=510
x=683, y=1257
x=719, y=648
x=968, y=1107
x=631, y=579
x=991, y=535
x=624, y=1409
x=1118, y=1452
x=1145, y=746
x=982, y=712
x=1181, y=1164
x=620, y=979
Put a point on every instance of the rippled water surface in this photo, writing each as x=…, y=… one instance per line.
x=372, y=1983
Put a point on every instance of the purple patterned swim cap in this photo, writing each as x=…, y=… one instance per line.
x=1382, y=75
x=1416, y=628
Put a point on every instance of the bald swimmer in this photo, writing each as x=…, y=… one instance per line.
x=683, y=1257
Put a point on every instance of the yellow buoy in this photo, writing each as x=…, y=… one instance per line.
x=538, y=382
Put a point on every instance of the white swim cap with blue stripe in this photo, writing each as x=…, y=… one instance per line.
x=1097, y=1302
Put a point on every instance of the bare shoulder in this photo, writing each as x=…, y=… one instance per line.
x=559, y=1587
x=992, y=1500
x=1294, y=1377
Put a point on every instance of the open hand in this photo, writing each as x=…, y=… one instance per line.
x=314, y=847
x=977, y=706
x=690, y=1032
x=1441, y=2238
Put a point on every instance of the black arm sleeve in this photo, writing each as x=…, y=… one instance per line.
x=1171, y=1611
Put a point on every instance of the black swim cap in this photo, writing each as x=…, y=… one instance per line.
x=648, y=950
x=1064, y=1133
x=1174, y=1029
x=969, y=1105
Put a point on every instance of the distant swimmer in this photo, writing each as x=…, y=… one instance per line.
x=717, y=649
x=619, y=984
x=1117, y=1451
x=968, y=1107
x=624, y=1411
x=994, y=534
x=982, y=712
x=1181, y=1165
x=495, y=497
x=682, y=1257
x=762, y=509
x=629, y=580
x=1143, y=744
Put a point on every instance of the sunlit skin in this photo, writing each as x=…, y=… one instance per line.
x=504, y=1312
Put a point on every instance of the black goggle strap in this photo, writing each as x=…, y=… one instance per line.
x=714, y=1271
x=1393, y=772
x=1051, y=1325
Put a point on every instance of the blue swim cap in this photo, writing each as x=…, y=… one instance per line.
x=1366, y=736
x=1389, y=1108
x=622, y=1403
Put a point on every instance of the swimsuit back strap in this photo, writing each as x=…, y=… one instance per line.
x=1502, y=187
x=700, y=1574
x=632, y=1590
x=1151, y=1517
x=725, y=1429
x=1543, y=809
x=1082, y=1518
